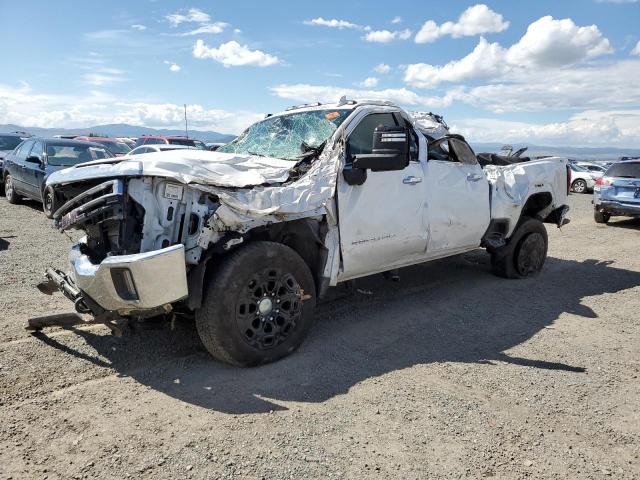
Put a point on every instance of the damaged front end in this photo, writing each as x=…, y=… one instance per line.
x=141, y=238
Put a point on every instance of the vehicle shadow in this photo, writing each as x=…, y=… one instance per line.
x=451, y=310
x=631, y=223
x=4, y=244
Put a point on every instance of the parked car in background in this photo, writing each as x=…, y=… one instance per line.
x=8, y=143
x=30, y=164
x=131, y=142
x=617, y=193
x=115, y=146
x=155, y=148
x=213, y=146
x=582, y=180
x=592, y=167
x=170, y=140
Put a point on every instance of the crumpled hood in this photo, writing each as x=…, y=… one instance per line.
x=185, y=166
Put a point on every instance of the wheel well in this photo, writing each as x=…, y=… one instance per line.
x=536, y=203
x=305, y=237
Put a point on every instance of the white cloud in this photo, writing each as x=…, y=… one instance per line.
x=174, y=67
x=326, y=94
x=485, y=61
x=333, y=23
x=103, y=76
x=234, y=54
x=22, y=106
x=382, y=68
x=386, y=36
x=636, y=49
x=588, y=128
x=369, y=82
x=139, y=27
x=553, y=43
x=216, y=27
x=548, y=43
x=473, y=21
x=603, y=87
x=397, y=19
x=193, y=15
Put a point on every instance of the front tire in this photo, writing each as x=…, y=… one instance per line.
x=601, y=217
x=9, y=191
x=258, y=306
x=49, y=202
x=579, y=186
x=525, y=253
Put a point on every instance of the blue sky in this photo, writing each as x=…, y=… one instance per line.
x=552, y=72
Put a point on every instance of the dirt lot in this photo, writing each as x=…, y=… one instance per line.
x=451, y=373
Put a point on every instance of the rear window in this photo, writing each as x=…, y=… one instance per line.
x=9, y=142
x=182, y=141
x=624, y=170
x=116, y=147
x=68, y=155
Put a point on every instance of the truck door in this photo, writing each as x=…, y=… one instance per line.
x=458, y=197
x=381, y=221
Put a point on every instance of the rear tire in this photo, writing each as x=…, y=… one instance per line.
x=601, y=217
x=9, y=191
x=258, y=306
x=525, y=253
x=579, y=186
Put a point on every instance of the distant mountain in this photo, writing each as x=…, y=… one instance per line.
x=118, y=130
x=579, y=153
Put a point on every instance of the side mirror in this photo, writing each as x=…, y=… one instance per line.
x=390, y=150
x=34, y=159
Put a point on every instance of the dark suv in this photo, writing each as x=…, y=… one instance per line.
x=8, y=143
x=28, y=166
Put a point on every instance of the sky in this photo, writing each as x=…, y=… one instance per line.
x=547, y=72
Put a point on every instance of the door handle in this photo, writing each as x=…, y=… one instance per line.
x=411, y=180
x=473, y=177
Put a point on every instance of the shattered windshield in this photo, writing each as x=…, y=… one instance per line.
x=290, y=136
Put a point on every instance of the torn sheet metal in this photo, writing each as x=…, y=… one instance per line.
x=307, y=194
x=185, y=166
x=512, y=185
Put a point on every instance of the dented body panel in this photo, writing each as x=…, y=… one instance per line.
x=209, y=203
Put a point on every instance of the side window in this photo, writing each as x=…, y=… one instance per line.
x=463, y=151
x=37, y=150
x=361, y=139
x=23, y=150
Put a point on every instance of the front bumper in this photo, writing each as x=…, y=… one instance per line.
x=618, y=208
x=127, y=283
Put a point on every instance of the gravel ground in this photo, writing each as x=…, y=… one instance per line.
x=450, y=373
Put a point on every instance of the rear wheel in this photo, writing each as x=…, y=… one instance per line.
x=579, y=186
x=601, y=217
x=9, y=190
x=525, y=253
x=258, y=307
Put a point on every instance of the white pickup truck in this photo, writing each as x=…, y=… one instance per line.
x=248, y=237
